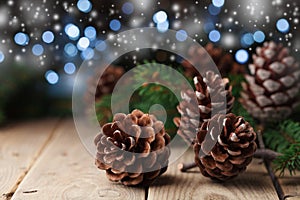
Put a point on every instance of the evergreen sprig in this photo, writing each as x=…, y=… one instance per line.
x=290, y=160
x=285, y=139
x=157, y=91
x=160, y=75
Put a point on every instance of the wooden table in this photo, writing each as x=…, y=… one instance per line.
x=45, y=160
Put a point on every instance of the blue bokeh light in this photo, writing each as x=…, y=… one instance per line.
x=128, y=8
x=214, y=36
x=209, y=26
x=283, y=25
x=84, y=6
x=160, y=17
x=87, y=54
x=247, y=39
x=21, y=39
x=213, y=10
x=242, y=56
x=48, y=37
x=69, y=68
x=259, y=36
x=100, y=45
x=90, y=32
x=70, y=49
x=83, y=43
x=163, y=27
x=37, y=49
x=2, y=57
x=181, y=35
x=218, y=3
x=72, y=31
x=52, y=77
x=115, y=25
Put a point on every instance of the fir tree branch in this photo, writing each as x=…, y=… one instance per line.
x=285, y=138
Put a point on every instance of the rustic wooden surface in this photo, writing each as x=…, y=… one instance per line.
x=45, y=160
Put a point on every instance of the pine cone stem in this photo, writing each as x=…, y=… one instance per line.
x=266, y=154
x=183, y=167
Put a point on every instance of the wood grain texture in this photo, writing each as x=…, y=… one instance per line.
x=292, y=198
x=66, y=170
x=290, y=185
x=254, y=184
x=20, y=145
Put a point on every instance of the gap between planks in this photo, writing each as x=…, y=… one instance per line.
x=9, y=195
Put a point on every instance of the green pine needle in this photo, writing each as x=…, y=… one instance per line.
x=285, y=138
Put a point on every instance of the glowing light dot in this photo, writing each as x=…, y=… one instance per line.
x=100, y=45
x=48, y=37
x=88, y=54
x=84, y=6
x=70, y=49
x=115, y=25
x=127, y=8
x=90, y=32
x=83, y=43
x=218, y=3
x=213, y=10
x=283, y=25
x=52, y=77
x=72, y=31
x=21, y=39
x=181, y=35
x=247, y=39
x=209, y=26
x=242, y=56
x=163, y=27
x=2, y=57
x=160, y=17
x=214, y=36
x=259, y=36
x=70, y=68
x=37, y=49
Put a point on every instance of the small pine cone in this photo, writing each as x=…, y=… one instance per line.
x=224, y=146
x=104, y=85
x=190, y=119
x=224, y=61
x=133, y=148
x=271, y=90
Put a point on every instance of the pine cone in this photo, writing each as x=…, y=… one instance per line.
x=106, y=83
x=224, y=61
x=133, y=148
x=271, y=90
x=224, y=146
x=190, y=119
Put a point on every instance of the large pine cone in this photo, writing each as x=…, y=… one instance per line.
x=223, y=60
x=224, y=146
x=190, y=120
x=272, y=88
x=133, y=148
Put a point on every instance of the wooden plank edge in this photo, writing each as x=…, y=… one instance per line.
x=10, y=194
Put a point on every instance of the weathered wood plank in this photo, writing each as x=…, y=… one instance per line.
x=66, y=170
x=254, y=184
x=20, y=145
x=290, y=185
